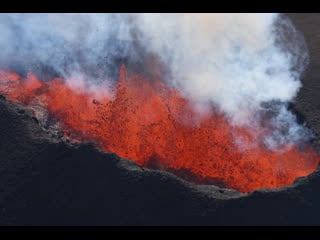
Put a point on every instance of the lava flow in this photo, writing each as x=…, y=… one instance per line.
x=152, y=124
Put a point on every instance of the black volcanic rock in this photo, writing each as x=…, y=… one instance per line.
x=44, y=181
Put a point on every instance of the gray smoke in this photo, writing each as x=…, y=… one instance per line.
x=238, y=62
x=67, y=44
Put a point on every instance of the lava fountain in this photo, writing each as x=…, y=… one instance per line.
x=143, y=121
x=204, y=96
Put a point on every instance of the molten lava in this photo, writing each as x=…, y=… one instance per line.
x=152, y=124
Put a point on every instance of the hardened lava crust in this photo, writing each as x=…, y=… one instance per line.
x=47, y=181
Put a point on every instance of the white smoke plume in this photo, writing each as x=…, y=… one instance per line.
x=239, y=62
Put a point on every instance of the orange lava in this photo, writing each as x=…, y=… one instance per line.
x=152, y=124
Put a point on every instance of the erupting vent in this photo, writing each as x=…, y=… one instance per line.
x=204, y=96
x=146, y=121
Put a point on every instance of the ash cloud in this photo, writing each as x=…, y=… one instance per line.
x=238, y=62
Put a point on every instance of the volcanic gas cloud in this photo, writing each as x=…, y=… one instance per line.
x=202, y=95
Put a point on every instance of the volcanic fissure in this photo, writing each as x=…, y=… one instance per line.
x=204, y=96
x=142, y=121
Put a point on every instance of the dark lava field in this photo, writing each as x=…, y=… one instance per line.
x=45, y=181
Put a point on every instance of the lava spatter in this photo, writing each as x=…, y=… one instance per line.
x=146, y=121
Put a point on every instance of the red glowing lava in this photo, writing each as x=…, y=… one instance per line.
x=146, y=121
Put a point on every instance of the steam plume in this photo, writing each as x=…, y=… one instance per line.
x=247, y=65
